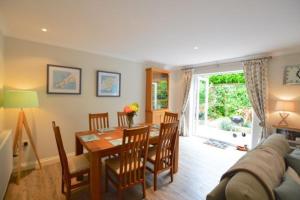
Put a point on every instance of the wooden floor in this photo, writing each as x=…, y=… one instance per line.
x=200, y=167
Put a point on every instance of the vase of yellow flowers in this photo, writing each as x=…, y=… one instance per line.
x=131, y=111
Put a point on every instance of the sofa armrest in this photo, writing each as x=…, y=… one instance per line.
x=244, y=186
x=218, y=193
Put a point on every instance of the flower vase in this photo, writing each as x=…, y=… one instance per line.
x=130, y=120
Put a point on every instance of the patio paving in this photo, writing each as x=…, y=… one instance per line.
x=224, y=136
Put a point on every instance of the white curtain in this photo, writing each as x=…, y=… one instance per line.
x=185, y=129
x=256, y=72
x=194, y=107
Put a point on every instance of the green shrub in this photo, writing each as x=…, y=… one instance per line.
x=226, y=124
x=227, y=97
x=227, y=78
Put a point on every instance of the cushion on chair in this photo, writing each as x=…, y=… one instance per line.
x=152, y=154
x=78, y=163
x=114, y=164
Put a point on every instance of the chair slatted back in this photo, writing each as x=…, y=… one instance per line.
x=61, y=151
x=134, y=150
x=122, y=119
x=98, y=121
x=170, y=117
x=166, y=145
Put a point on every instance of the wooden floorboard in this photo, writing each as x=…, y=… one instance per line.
x=200, y=168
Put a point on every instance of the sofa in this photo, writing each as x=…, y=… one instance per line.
x=256, y=174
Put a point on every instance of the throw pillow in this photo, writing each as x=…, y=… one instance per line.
x=293, y=160
x=296, y=153
x=292, y=174
x=288, y=190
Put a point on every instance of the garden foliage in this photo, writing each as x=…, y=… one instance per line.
x=227, y=97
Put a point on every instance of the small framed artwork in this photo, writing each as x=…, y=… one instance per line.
x=108, y=84
x=291, y=75
x=63, y=80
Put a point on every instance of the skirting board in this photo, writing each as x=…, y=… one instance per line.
x=44, y=162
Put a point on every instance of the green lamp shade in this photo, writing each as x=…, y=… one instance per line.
x=20, y=99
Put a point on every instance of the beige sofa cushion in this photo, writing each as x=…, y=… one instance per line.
x=244, y=186
x=279, y=143
x=291, y=173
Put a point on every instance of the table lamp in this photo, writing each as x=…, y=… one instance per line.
x=284, y=108
x=21, y=99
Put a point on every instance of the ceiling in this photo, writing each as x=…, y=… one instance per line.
x=161, y=31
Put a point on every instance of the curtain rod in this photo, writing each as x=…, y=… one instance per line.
x=231, y=62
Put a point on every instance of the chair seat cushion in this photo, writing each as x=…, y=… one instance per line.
x=152, y=154
x=79, y=163
x=114, y=164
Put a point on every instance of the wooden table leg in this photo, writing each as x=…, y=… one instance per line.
x=79, y=150
x=95, y=174
x=78, y=147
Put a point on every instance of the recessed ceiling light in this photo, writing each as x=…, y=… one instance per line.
x=196, y=48
x=44, y=29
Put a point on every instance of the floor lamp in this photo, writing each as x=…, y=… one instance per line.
x=21, y=99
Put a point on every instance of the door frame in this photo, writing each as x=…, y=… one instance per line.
x=200, y=76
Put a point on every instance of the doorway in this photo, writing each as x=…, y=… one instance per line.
x=223, y=110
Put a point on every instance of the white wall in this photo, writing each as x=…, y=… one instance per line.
x=1, y=77
x=25, y=68
x=278, y=90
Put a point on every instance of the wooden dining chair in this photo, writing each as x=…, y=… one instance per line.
x=128, y=169
x=122, y=119
x=72, y=167
x=162, y=156
x=170, y=117
x=98, y=121
x=173, y=117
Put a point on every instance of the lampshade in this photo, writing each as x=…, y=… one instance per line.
x=285, y=106
x=20, y=99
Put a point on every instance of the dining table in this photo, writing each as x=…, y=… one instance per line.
x=106, y=142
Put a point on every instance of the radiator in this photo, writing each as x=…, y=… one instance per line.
x=6, y=160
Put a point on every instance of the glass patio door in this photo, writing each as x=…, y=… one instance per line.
x=202, y=93
x=222, y=109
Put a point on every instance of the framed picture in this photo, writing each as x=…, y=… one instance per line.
x=108, y=84
x=63, y=80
